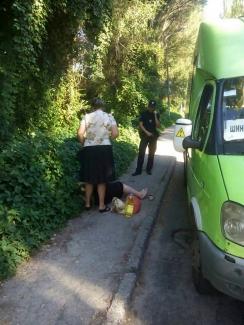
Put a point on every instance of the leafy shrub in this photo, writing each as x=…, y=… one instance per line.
x=125, y=149
x=38, y=193
x=168, y=119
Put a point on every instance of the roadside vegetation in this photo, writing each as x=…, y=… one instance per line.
x=54, y=57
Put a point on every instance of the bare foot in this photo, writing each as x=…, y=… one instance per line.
x=143, y=193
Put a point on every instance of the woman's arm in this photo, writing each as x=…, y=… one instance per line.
x=81, y=132
x=114, y=132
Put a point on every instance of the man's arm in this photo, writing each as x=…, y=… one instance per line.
x=141, y=126
x=157, y=120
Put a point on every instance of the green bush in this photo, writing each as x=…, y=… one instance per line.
x=168, y=119
x=38, y=193
x=125, y=149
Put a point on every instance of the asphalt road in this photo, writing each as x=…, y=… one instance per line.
x=165, y=293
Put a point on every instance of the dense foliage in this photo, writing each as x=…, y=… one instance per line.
x=36, y=182
x=54, y=57
x=234, y=8
x=38, y=46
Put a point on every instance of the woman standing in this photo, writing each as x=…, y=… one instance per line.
x=95, y=131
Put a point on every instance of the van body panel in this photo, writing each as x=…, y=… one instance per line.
x=199, y=79
x=225, y=272
x=234, y=249
x=220, y=48
x=233, y=174
x=197, y=213
x=206, y=186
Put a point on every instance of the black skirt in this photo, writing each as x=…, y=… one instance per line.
x=97, y=165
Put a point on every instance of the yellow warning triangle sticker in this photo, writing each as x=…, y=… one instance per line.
x=180, y=133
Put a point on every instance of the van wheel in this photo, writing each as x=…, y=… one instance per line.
x=202, y=285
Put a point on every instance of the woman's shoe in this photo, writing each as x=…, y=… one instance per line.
x=106, y=209
x=87, y=208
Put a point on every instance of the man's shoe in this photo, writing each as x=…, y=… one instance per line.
x=149, y=172
x=136, y=173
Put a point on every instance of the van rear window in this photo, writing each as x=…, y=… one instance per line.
x=233, y=109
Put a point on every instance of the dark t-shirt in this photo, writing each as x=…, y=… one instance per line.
x=148, y=120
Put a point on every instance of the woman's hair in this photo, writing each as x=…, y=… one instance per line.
x=97, y=103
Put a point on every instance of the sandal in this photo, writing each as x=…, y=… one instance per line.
x=106, y=209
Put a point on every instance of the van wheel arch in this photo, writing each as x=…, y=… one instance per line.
x=201, y=284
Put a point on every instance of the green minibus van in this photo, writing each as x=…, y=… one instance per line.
x=212, y=142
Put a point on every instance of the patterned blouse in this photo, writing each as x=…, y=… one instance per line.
x=98, y=126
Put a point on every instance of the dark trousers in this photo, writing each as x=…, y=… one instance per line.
x=151, y=142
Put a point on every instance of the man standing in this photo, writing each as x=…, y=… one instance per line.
x=148, y=124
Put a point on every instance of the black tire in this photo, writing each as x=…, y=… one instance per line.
x=202, y=285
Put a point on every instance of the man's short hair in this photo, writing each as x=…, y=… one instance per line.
x=152, y=103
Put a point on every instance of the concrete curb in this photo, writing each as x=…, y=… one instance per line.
x=117, y=310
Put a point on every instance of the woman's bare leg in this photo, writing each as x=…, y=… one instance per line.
x=140, y=194
x=88, y=194
x=101, y=188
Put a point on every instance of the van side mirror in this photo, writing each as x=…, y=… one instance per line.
x=183, y=128
x=188, y=142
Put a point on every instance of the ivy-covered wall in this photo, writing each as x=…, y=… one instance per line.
x=38, y=45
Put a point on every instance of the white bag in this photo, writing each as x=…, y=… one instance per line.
x=117, y=205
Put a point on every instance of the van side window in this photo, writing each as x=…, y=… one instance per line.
x=203, y=115
x=233, y=109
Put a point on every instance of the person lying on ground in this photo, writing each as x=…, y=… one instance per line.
x=118, y=189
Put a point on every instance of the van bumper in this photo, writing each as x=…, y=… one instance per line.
x=225, y=272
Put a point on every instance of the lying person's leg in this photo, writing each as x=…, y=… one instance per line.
x=140, y=194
